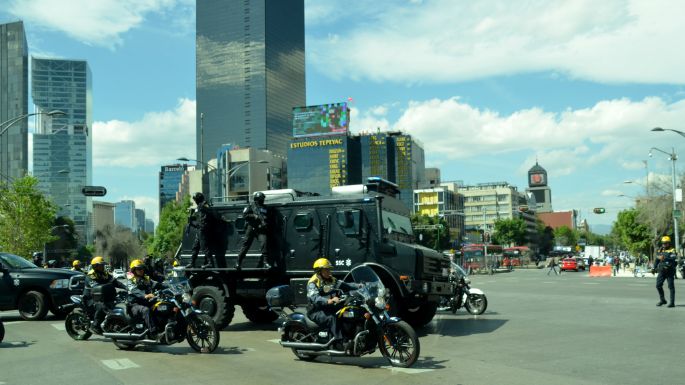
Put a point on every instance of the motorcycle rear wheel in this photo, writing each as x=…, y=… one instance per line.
x=476, y=304
x=399, y=344
x=298, y=333
x=77, y=325
x=118, y=325
x=202, y=334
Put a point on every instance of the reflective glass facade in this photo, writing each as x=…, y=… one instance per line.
x=319, y=164
x=250, y=73
x=170, y=178
x=14, y=85
x=62, y=145
x=125, y=214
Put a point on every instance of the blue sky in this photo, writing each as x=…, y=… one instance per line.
x=487, y=86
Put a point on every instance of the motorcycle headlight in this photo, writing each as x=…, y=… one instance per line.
x=59, y=284
x=381, y=293
x=187, y=298
x=467, y=281
x=380, y=303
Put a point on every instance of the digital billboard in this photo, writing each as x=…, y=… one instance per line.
x=325, y=119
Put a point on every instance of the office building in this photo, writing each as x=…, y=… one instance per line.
x=171, y=178
x=149, y=226
x=14, y=96
x=103, y=215
x=139, y=225
x=62, y=145
x=125, y=214
x=250, y=73
x=443, y=202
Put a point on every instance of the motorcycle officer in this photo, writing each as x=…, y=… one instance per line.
x=140, y=288
x=76, y=266
x=322, y=292
x=98, y=276
x=665, y=265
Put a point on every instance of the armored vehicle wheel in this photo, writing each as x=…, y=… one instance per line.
x=215, y=303
x=421, y=315
x=32, y=306
x=259, y=315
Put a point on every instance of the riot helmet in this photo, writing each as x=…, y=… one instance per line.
x=259, y=197
x=199, y=198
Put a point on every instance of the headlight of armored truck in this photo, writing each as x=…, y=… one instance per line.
x=59, y=284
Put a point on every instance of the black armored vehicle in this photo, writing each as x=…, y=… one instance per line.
x=355, y=225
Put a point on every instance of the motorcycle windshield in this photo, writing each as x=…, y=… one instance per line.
x=458, y=270
x=372, y=282
x=178, y=285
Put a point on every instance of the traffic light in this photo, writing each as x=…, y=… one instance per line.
x=599, y=210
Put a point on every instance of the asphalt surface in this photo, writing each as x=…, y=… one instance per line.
x=538, y=329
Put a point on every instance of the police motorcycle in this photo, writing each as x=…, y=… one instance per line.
x=363, y=320
x=174, y=315
x=79, y=323
x=473, y=299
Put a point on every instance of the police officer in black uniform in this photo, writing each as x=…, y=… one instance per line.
x=255, y=216
x=140, y=289
x=99, y=276
x=665, y=265
x=203, y=236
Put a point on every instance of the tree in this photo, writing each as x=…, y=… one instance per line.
x=26, y=217
x=508, y=231
x=565, y=236
x=172, y=222
x=66, y=244
x=431, y=232
x=546, y=239
x=635, y=236
x=119, y=244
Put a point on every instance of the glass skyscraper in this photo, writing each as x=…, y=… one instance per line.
x=250, y=73
x=14, y=87
x=62, y=145
x=125, y=214
x=170, y=178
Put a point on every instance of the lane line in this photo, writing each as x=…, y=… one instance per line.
x=59, y=326
x=13, y=323
x=407, y=370
x=120, y=364
x=590, y=283
x=276, y=341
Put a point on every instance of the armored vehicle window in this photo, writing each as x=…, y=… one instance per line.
x=396, y=223
x=303, y=222
x=349, y=221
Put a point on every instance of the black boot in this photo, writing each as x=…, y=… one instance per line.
x=671, y=305
x=661, y=302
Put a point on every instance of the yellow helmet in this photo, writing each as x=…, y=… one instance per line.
x=322, y=263
x=136, y=263
x=175, y=263
x=97, y=261
x=76, y=263
x=665, y=239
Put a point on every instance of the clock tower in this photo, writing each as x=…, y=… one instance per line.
x=537, y=186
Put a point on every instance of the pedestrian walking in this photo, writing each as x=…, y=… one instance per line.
x=553, y=266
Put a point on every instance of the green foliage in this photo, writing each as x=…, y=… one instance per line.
x=26, y=217
x=635, y=236
x=510, y=231
x=117, y=245
x=565, y=236
x=431, y=232
x=172, y=222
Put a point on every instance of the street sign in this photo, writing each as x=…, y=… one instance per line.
x=677, y=214
x=94, y=191
x=599, y=210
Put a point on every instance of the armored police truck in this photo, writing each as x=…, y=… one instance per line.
x=359, y=224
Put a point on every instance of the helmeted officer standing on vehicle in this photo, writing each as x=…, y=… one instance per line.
x=140, y=289
x=98, y=276
x=322, y=292
x=665, y=265
x=203, y=237
x=255, y=216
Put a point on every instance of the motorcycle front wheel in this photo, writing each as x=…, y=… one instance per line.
x=77, y=325
x=399, y=344
x=476, y=304
x=202, y=334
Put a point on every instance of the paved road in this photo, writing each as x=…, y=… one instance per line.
x=539, y=329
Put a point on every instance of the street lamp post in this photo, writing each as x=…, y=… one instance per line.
x=4, y=126
x=672, y=156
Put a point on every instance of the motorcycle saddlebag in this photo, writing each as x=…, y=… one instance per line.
x=280, y=296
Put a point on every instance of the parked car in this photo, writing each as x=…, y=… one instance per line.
x=33, y=290
x=580, y=262
x=569, y=263
x=119, y=273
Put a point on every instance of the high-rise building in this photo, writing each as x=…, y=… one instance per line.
x=14, y=94
x=170, y=183
x=62, y=145
x=250, y=73
x=537, y=186
x=103, y=215
x=139, y=225
x=125, y=214
x=149, y=226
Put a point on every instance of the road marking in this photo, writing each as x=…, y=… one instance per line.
x=407, y=370
x=120, y=364
x=590, y=283
x=276, y=341
x=548, y=282
x=13, y=323
x=59, y=326
x=638, y=284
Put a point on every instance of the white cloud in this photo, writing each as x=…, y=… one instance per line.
x=368, y=121
x=448, y=41
x=611, y=130
x=100, y=22
x=157, y=138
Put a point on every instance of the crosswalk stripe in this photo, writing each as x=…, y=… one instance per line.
x=407, y=370
x=59, y=326
x=120, y=364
